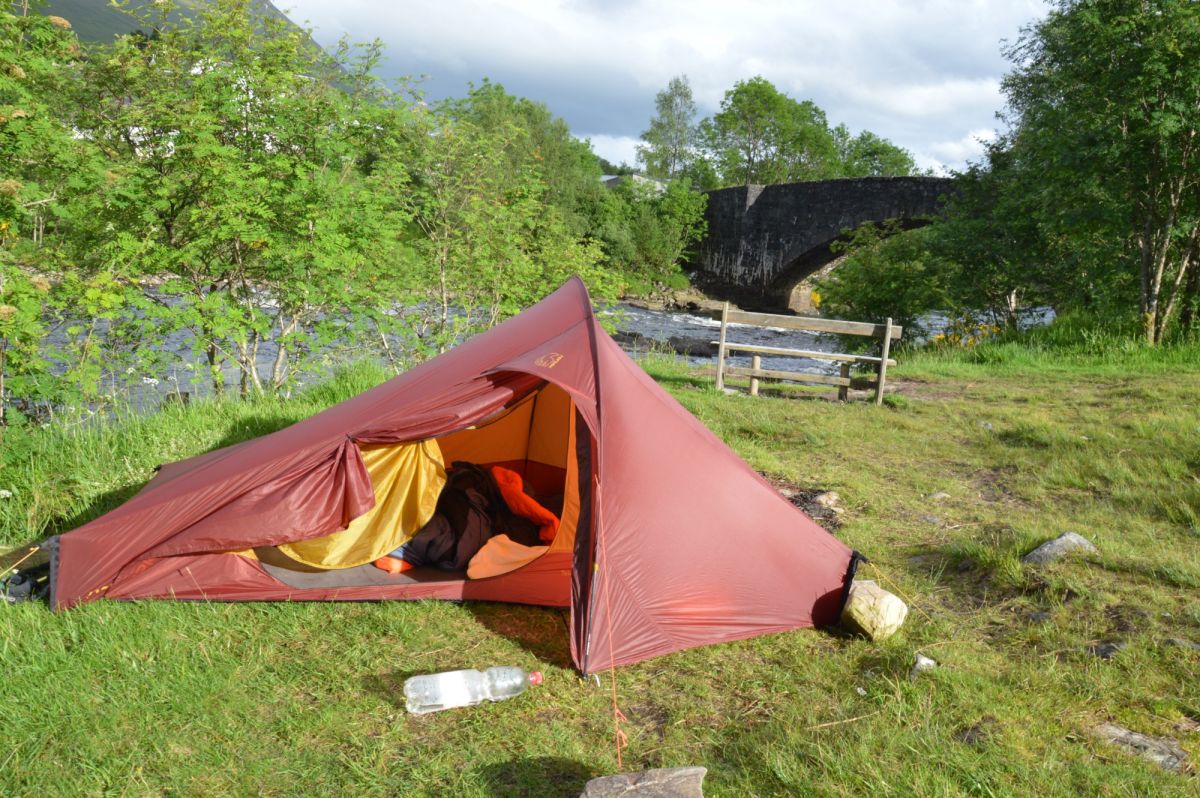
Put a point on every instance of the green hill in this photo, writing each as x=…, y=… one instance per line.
x=96, y=21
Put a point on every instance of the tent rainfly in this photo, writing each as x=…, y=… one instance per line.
x=667, y=539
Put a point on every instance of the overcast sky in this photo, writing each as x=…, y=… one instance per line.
x=923, y=73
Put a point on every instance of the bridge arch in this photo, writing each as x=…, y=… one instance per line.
x=764, y=240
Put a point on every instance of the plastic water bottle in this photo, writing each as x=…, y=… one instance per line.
x=463, y=688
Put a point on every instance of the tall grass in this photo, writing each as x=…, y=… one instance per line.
x=1071, y=342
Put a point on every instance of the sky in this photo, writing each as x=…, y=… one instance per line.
x=923, y=73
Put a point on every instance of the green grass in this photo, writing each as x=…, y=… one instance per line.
x=161, y=698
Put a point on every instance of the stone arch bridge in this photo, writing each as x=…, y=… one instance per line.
x=763, y=241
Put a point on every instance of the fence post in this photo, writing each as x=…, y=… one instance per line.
x=887, y=348
x=721, y=349
x=755, y=363
x=844, y=390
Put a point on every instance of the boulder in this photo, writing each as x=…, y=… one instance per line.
x=1061, y=546
x=1162, y=751
x=872, y=611
x=657, y=783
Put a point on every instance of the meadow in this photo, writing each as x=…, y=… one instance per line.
x=976, y=458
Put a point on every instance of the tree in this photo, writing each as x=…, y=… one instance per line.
x=869, y=155
x=648, y=231
x=670, y=139
x=1104, y=105
x=241, y=203
x=887, y=273
x=761, y=135
x=43, y=166
x=535, y=141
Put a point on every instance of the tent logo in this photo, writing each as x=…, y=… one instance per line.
x=548, y=360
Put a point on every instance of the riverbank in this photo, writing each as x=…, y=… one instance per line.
x=971, y=466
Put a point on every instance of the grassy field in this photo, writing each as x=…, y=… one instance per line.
x=160, y=698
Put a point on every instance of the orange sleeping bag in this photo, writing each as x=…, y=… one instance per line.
x=512, y=488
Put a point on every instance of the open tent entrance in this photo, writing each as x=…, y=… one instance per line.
x=534, y=436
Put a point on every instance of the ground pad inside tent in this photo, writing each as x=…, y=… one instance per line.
x=300, y=576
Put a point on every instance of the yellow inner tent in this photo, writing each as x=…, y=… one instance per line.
x=535, y=436
x=407, y=480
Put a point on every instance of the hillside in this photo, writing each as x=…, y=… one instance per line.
x=96, y=21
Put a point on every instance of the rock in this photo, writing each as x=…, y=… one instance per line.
x=657, y=783
x=872, y=611
x=1175, y=641
x=940, y=496
x=861, y=691
x=1060, y=547
x=730, y=391
x=922, y=664
x=1162, y=751
x=931, y=519
x=1039, y=617
x=1106, y=650
x=829, y=500
x=987, y=425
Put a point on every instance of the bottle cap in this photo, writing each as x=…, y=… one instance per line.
x=535, y=677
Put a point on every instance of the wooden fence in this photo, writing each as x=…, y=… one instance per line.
x=886, y=332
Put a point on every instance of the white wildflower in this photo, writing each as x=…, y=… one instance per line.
x=5, y=494
x=149, y=381
x=129, y=370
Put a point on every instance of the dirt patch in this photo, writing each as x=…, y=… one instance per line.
x=992, y=484
x=807, y=500
x=919, y=389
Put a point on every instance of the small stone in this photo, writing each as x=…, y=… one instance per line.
x=940, y=496
x=987, y=425
x=1179, y=643
x=829, y=500
x=657, y=783
x=922, y=664
x=1162, y=751
x=931, y=519
x=1106, y=650
x=860, y=691
x=1060, y=547
x=1039, y=617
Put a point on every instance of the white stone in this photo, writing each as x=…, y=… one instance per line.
x=922, y=664
x=1058, y=548
x=657, y=783
x=873, y=611
x=1162, y=751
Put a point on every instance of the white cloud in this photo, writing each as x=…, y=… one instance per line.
x=918, y=72
x=615, y=149
x=955, y=153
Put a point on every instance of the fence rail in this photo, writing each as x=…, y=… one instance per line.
x=886, y=332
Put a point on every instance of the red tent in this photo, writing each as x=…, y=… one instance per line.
x=668, y=540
